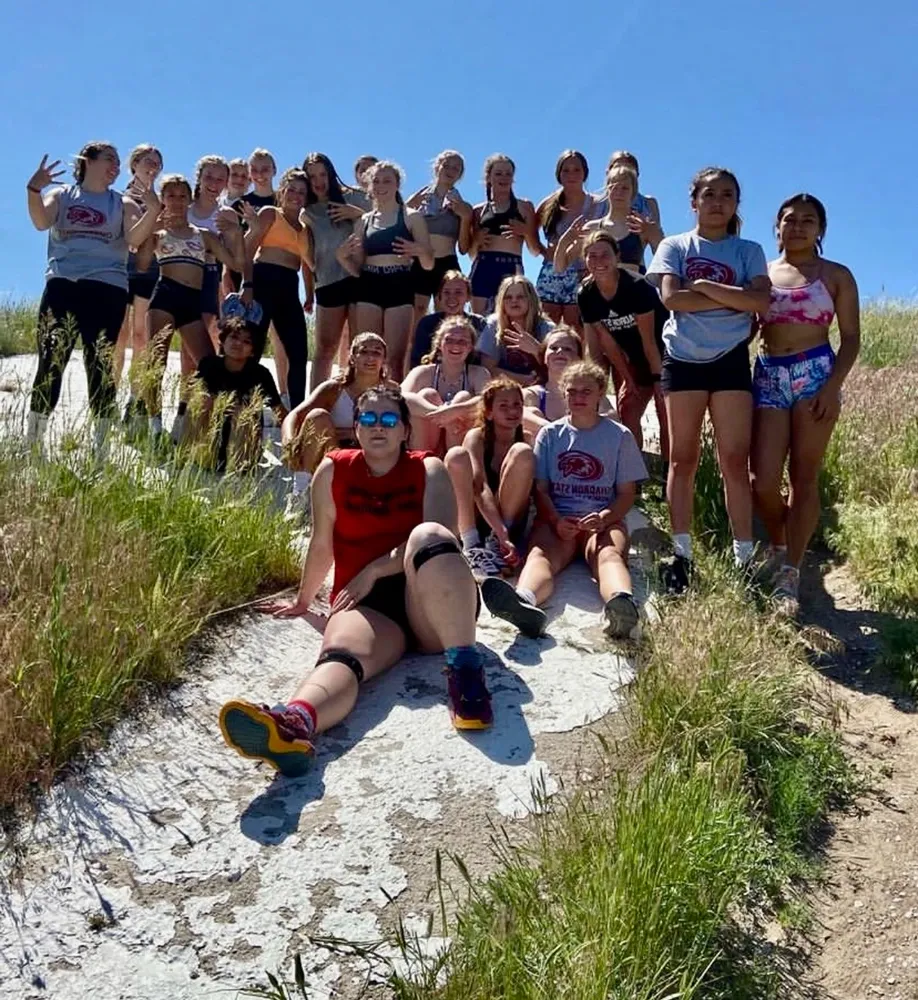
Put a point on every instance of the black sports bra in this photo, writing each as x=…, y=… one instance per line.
x=493, y=222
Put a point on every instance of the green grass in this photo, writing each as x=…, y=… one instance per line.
x=18, y=321
x=105, y=575
x=649, y=884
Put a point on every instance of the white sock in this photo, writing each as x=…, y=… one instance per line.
x=36, y=428
x=470, y=539
x=778, y=551
x=682, y=544
x=742, y=551
x=156, y=424
x=527, y=595
x=301, y=482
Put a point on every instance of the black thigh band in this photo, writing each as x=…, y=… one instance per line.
x=431, y=552
x=340, y=656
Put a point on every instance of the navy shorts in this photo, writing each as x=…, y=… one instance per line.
x=490, y=269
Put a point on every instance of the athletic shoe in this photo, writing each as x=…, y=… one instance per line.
x=276, y=735
x=676, y=574
x=469, y=700
x=504, y=602
x=481, y=562
x=786, y=594
x=492, y=545
x=621, y=615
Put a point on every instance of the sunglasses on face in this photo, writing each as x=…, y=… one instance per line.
x=369, y=418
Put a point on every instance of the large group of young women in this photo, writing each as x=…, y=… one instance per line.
x=457, y=448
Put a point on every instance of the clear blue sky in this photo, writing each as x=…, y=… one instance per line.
x=818, y=95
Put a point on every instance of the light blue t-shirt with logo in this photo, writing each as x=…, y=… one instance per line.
x=711, y=333
x=585, y=467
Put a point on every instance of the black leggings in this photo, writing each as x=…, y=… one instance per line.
x=277, y=290
x=92, y=311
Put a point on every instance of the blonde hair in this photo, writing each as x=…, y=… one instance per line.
x=441, y=158
x=533, y=310
x=239, y=161
x=263, y=154
x=447, y=324
x=563, y=330
x=349, y=375
x=211, y=160
x=139, y=152
x=584, y=369
x=614, y=173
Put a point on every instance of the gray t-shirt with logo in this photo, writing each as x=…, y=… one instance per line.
x=711, y=333
x=585, y=467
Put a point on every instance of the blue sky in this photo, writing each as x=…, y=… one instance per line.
x=818, y=95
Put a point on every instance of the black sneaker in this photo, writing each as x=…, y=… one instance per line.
x=676, y=574
x=621, y=615
x=503, y=601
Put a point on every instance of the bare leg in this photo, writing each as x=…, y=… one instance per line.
x=328, y=329
x=306, y=438
x=731, y=414
x=607, y=556
x=548, y=555
x=770, y=442
x=397, y=327
x=425, y=435
x=553, y=311
x=160, y=327
x=516, y=476
x=455, y=434
x=459, y=466
x=479, y=305
x=632, y=401
x=685, y=411
x=124, y=335
x=369, y=319
x=571, y=316
x=331, y=689
x=809, y=440
x=442, y=595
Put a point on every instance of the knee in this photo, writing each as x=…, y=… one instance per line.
x=457, y=461
x=683, y=461
x=804, y=479
x=764, y=487
x=296, y=424
x=431, y=395
x=463, y=396
x=520, y=457
x=734, y=465
x=425, y=541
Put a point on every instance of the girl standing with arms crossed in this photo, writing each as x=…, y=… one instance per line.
x=797, y=383
x=713, y=283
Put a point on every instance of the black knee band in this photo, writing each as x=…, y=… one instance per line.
x=340, y=656
x=431, y=552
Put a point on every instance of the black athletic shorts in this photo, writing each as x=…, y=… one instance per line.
x=338, y=293
x=729, y=373
x=387, y=287
x=182, y=302
x=388, y=598
x=210, y=290
x=428, y=282
x=141, y=283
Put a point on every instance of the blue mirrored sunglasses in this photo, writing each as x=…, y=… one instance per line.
x=369, y=418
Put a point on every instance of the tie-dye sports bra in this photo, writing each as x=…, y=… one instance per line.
x=808, y=305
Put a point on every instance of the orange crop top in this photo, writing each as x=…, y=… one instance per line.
x=284, y=237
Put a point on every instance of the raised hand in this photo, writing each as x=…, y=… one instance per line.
x=46, y=174
x=341, y=213
x=522, y=340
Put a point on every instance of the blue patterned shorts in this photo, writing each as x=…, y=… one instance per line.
x=779, y=382
x=559, y=287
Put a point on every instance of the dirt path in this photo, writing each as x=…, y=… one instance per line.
x=865, y=936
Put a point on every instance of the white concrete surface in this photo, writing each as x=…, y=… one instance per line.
x=204, y=871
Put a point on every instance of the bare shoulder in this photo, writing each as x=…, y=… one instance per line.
x=526, y=206
x=839, y=273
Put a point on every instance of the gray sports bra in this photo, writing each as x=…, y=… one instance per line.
x=440, y=221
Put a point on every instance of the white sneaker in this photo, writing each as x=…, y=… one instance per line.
x=481, y=562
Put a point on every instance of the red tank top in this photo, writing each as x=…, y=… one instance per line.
x=373, y=514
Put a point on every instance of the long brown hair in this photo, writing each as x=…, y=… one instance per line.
x=486, y=403
x=349, y=375
x=434, y=356
x=551, y=210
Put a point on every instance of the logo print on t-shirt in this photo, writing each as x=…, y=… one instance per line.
x=83, y=215
x=580, y=465
x=703, y=268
